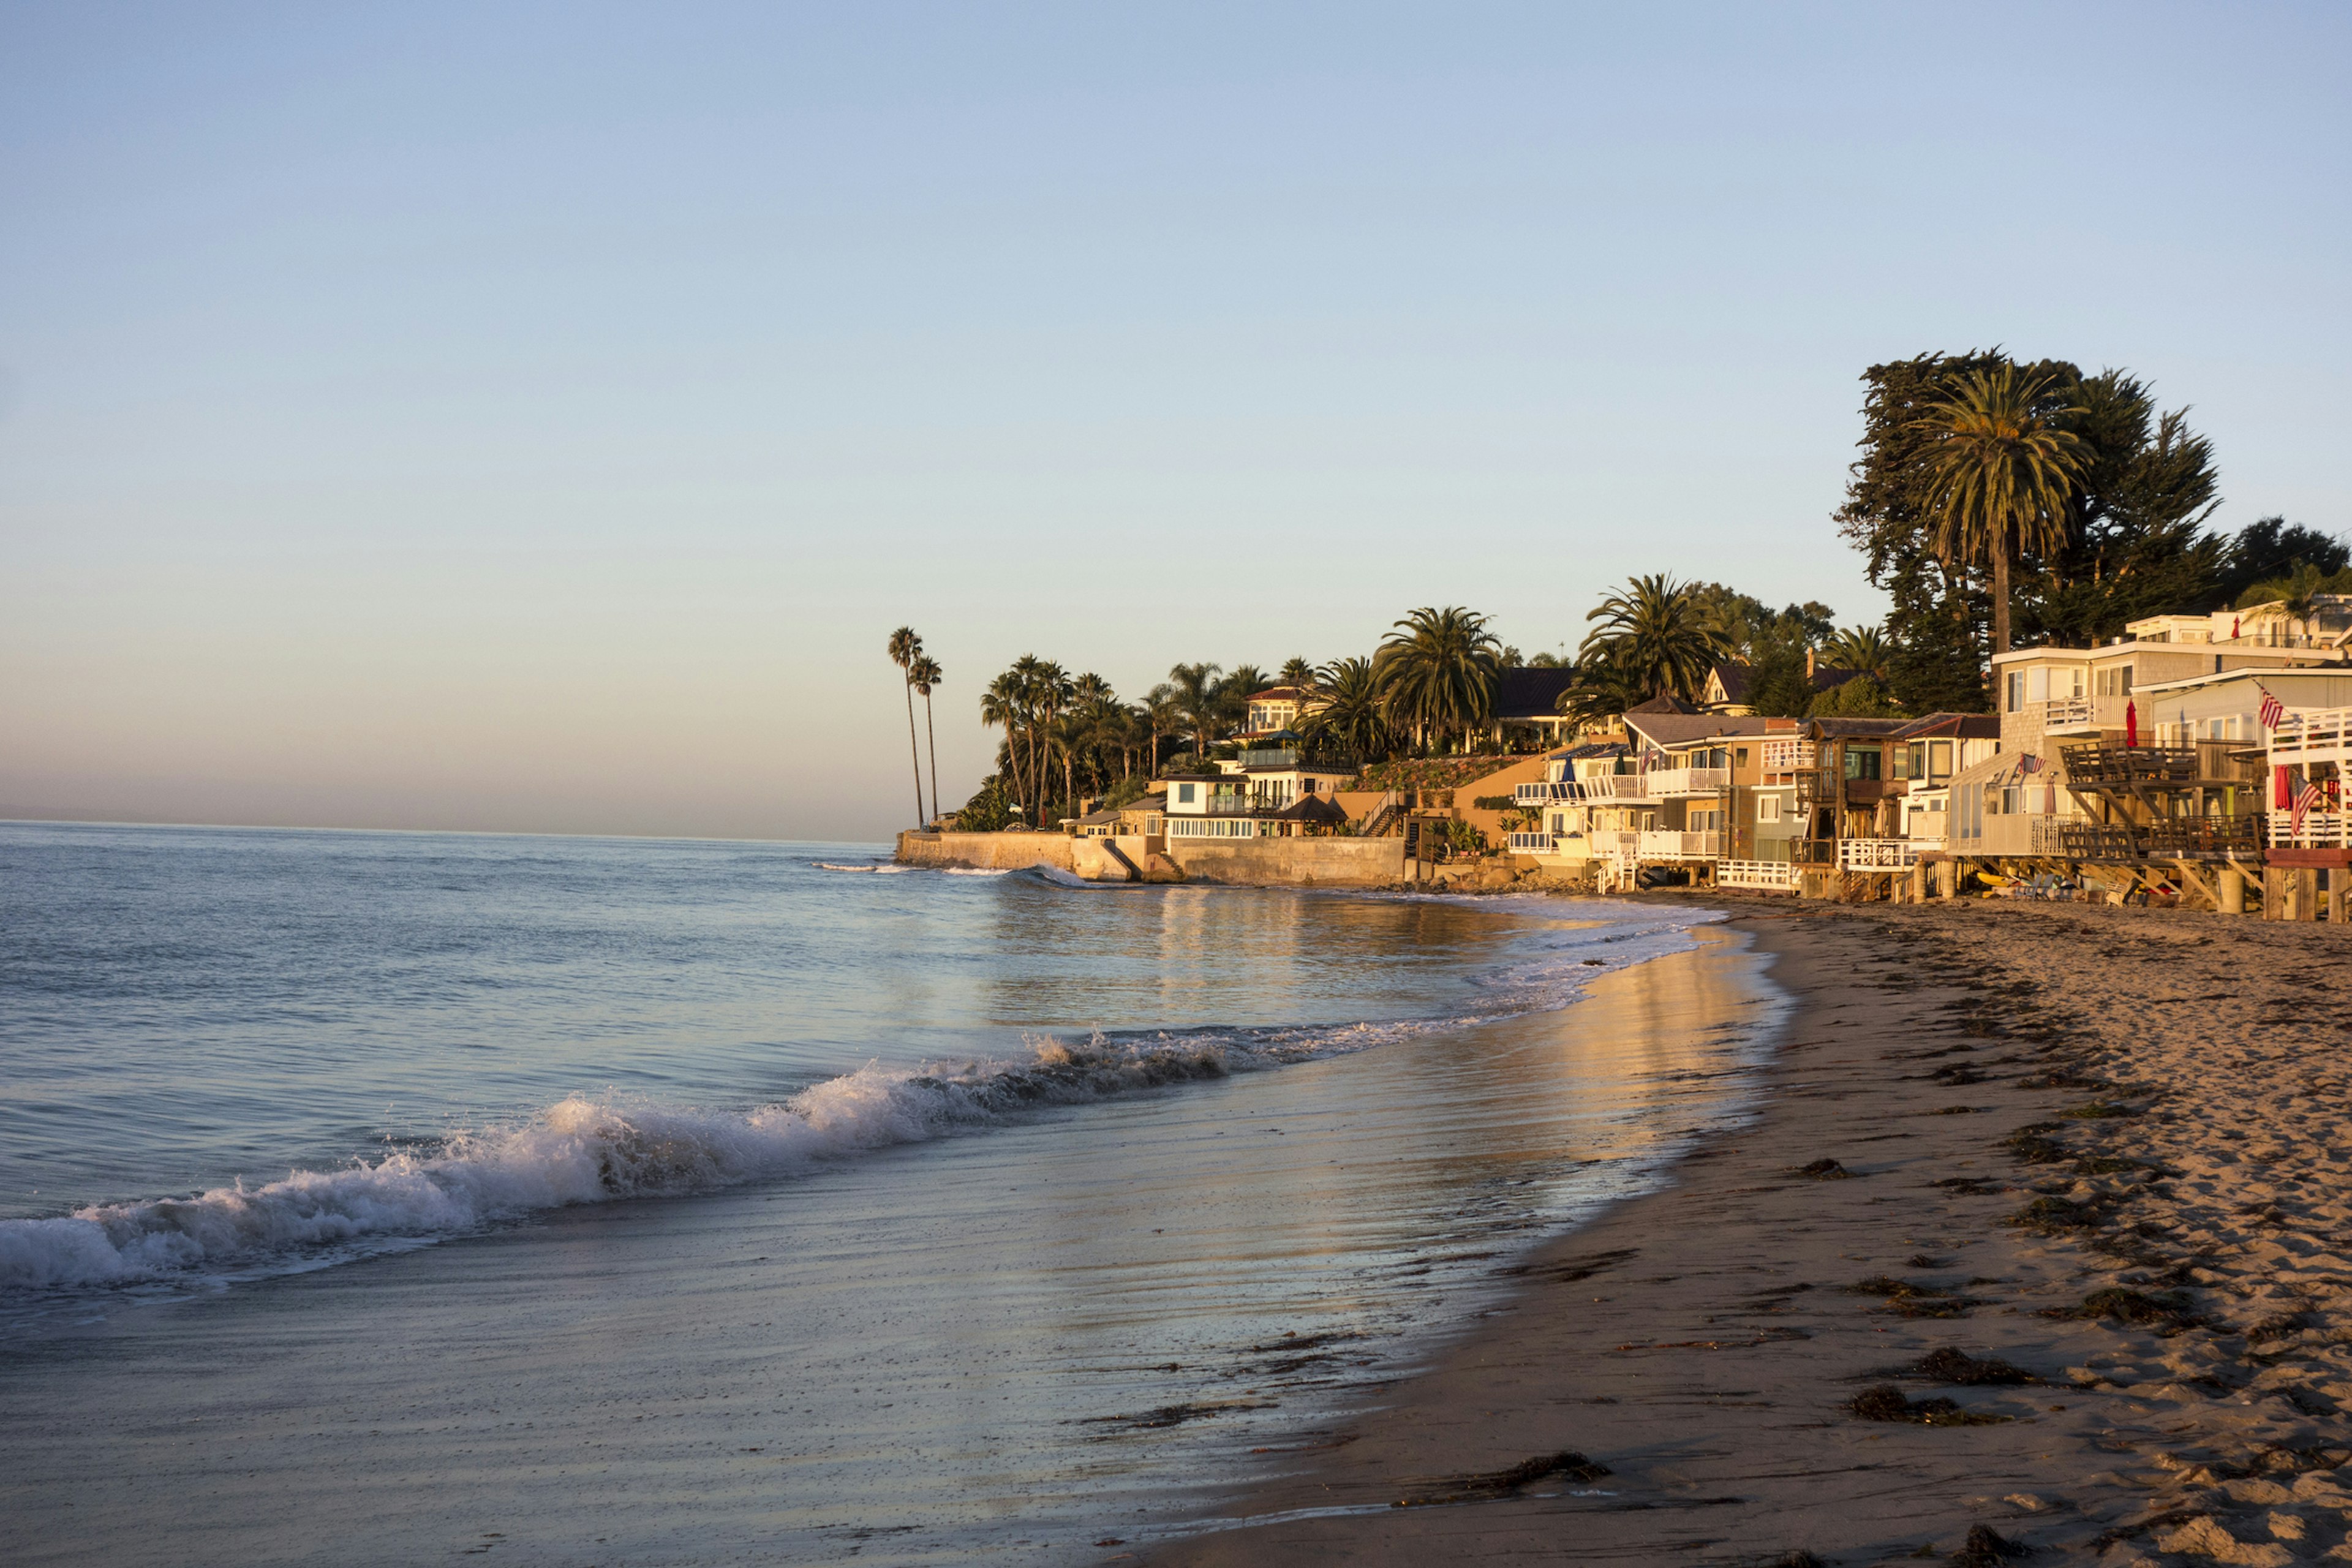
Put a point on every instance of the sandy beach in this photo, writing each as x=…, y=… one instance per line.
x=2040, y=1241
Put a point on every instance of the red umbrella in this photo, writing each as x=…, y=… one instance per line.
x=2131, y=723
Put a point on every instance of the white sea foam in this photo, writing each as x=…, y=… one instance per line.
x=881, y=869
x=579, y=1151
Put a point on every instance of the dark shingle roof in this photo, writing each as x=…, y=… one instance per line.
x=1524, y=693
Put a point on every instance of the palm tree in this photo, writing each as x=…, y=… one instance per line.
x=1163, y=715
x=1861, y=649
x=905, y=648
x=1656, y=636
x=1352, y=718
x=1000, y=703
x=1298, y=672
x=1068, y=734
x=924, y=673
x=2002, y=464
x=1438, y=671
x=1196, y=694
x=1601, y=689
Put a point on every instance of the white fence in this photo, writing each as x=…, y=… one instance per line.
x=1765, y=874
x=1788, y=756
x=1534, y=843
x=2320, y=830
x=1680, y=784
x=1878, y=854
x=1669, y=846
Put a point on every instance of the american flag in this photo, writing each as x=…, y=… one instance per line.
x=2029, y=763
x=2304, y=799
x=2273, y=712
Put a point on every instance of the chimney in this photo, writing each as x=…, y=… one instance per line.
x=1809, y=664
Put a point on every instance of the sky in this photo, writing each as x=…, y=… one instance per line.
x=516, y=417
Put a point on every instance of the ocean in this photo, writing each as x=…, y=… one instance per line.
x=376, y=1198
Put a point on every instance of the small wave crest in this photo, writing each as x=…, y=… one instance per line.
x=877, y=869
x=579, y=1151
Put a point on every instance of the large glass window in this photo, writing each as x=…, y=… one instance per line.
x=1862, y=763
x=1939, y=759
x=2017, y=691
x=1183, y=794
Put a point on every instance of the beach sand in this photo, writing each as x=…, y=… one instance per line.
x=2108, y=1147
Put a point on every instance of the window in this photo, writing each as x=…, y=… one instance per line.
x=1939, y=759
x=2017, y=691
x=1768, y=808
x=2037, y=684
x=1741, y=754
x=2115, y=681
x=1184, y=794
x=1862, y=762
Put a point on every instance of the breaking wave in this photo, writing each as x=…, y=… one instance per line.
x=588, y=1149
x=578, y=1150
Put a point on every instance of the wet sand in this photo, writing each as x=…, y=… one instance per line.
x=2107, y=1147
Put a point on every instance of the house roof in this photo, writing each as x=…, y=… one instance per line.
x=1589, y=749
x=1158, y=801
x=1107, y=814
x=1279, y=694
x=1734, y=676
x=1682, y=729
x=1525, y=693
x=1964, y=726
x=1861, y=729
x=1663, y=702
x=1312, y=808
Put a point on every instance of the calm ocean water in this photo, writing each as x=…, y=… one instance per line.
x=963, y=1215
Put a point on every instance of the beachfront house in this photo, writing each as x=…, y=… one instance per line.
x=1277, y=708
x=1279, y=788
x=2147, y=747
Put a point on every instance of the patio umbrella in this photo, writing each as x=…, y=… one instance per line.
x=2131, y=723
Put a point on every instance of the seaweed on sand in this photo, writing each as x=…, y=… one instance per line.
x=2049, y=1215
x=1946, y=1365
x=1913, y=1299
x=1984, y=1549
x=2168, y=1310
x=1822, y=1171
x=1568, y=1465
x=1885, y=1401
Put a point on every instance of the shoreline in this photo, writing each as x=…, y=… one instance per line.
x=2154, y=1259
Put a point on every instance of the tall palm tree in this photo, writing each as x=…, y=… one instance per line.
x=1657, y=635
x=1298, y=672
x=924, y=674
x=1861, y=649
x=1195, y=687
x=1438, y=672
x=1162, y=713
x=1001, y=704
x=906, y=648
x=1351, y=718
x=1067, y=734
x=2001, y=463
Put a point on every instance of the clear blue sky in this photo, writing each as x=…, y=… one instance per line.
x=537, y=417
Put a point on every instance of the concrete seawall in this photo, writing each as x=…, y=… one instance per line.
x=1232, y=862
x=1291, y=862
x=986, y=851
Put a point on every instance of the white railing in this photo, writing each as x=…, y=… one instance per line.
x=2314, y=735
x=1878, y=854
x=2320, y=830
x=1755, y=874
x=1533, y=842
x=1678, y=783
x=1615, y=846
x=2083, y=712
x=1788, y=756
x=1663, y=845
x=1617, y=786
x=1545, y=794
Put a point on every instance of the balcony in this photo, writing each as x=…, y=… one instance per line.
x=1670, y=846
x=2320, y=830
x=1534, y=844
x=1279, y=758
x=1768, y=875
x=1241, y=805
x=1617, y=789
x=1683, y=783
x=1817, y=786
x=2174, y=765
x=2312, y=735
x=1546, y=793
x=1877, y=854
x=2060, y=715
x=1789, y=756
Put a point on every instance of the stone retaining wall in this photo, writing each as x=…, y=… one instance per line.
x=1291, y=862
x=986, y=851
